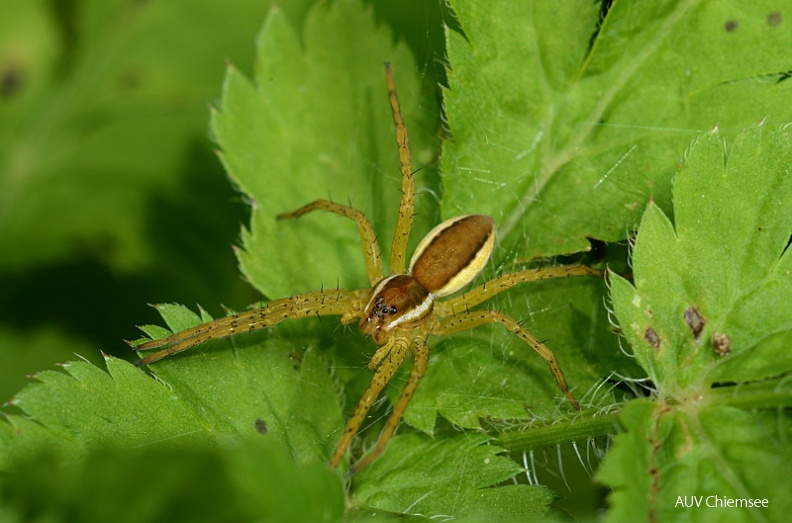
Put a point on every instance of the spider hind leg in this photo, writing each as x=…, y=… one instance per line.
x=469, y=320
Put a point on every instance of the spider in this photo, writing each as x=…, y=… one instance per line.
x=401, y=311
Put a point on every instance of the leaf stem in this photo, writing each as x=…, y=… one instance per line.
x=589, y=424
x=592, y=423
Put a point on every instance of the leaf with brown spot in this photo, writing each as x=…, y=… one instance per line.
x=715, y=413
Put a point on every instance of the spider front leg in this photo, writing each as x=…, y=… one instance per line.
x=398, y=260
x=371, y=250
x=469, y=320
x=336, y=302
x=390, y=357
x=420, y=352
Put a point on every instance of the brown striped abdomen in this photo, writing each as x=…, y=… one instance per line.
x=453, y=254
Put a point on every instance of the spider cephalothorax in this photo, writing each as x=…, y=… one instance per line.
x=396, y=301
x=401, y=311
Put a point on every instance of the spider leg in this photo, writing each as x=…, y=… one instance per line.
x=317, y=303
x=398, y=261
x=420, y=352
x=395, y=351
x=378, y=356
x=371, y=250
x=473, y=297
x=468, y=320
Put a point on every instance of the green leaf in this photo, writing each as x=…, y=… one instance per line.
x=252, y=406
x=332, y=83
x=455, y=477
x=668, y=456
x=226, y=392
x=710, y=306
x=710, y=302
x=596, y=127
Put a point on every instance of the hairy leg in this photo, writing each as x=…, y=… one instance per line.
x=391, y=357
x=469, y=320
x=318, y=303
x=398, y=261
x=371, y=250
x=420, y=352
x=473, y=297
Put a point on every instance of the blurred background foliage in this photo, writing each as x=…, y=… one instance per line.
x=111, y=196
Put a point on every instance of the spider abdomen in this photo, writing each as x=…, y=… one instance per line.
x=453, y=254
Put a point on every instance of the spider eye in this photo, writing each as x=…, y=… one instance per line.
x=393, y=310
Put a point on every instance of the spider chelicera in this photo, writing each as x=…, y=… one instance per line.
x=401, y=311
